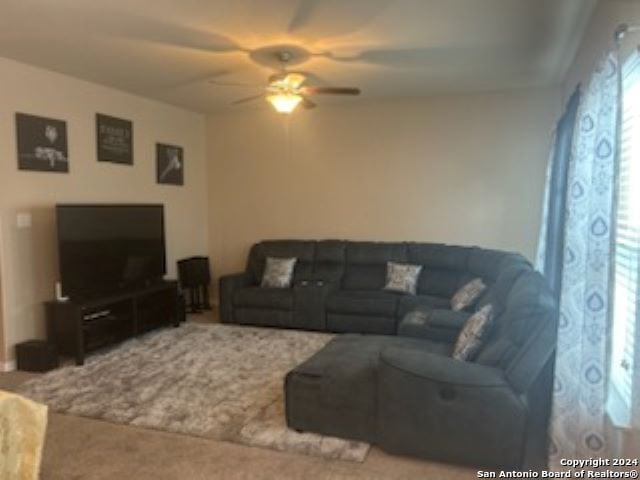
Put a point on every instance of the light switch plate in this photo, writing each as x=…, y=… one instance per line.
x=23, y=220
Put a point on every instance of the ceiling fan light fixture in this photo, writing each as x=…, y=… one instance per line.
x=284, y=102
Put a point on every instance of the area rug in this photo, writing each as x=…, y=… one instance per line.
x=215, y=381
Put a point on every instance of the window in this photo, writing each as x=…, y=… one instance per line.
x=627, y=252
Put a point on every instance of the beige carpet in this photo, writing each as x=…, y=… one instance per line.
x=215, y=381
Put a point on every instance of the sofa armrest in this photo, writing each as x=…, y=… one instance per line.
x=227, y=287
x=433, y=324
x=448, y=319
x=442, y=369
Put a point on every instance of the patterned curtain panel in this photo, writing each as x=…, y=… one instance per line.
x=578, y=414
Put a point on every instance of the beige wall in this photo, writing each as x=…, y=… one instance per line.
x=28, y=258
x=458, y=169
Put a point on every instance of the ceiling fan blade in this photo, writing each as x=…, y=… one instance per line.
x=330, y=91
x=308, y=104
x=406, y=57
x=302, y=15
x=235, y=84
x=252, y=98
x=143, y=28
x=206, y=77
x=330, y=18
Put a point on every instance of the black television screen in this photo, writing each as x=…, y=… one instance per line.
x=104, y=248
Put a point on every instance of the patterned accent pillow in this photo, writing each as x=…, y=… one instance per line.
x=402, y=277
x=278, y=272
x=467, y=294
x=473, y=334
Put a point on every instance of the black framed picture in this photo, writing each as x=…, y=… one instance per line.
x=42, y=144
x=114, y=138
x=169, y=164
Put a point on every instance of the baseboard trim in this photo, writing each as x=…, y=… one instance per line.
x=9, y=366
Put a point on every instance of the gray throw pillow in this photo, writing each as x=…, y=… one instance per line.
x=473, y=334
x=468, y=294
x=402, y=277
x=278, y=272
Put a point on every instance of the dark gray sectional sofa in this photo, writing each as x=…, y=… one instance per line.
x=390, y=379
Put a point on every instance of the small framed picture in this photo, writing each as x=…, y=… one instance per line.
x=114, y=138
x=169, y=164
x=42, y=144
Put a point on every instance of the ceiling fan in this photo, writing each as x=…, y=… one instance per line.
x=286, y=90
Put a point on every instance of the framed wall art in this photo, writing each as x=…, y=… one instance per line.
x=42, y=144
x=169, y=164
x=114, y=138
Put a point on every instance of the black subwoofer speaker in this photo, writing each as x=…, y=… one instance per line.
x=182, y=309
x=195, y=276
x=36, y=356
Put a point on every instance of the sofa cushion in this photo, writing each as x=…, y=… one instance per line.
x=366, y=264
x=260, y=297
x=433, y=324
x=473, y=334
x=441, y=282
x=352, y=323
x=408, y=303
x=468, y=294
x=303, y=250
x=330, y=260
x=364, y=277
x=443, y=318
x=278, y=272
x=438, y=256
x=266, y=317
x=489, y=263
x=363, y=302
x=402, y=277
x=366, y=253
x=497, y=293
x=527, y=303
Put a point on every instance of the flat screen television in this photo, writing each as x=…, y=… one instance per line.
x=107, y=248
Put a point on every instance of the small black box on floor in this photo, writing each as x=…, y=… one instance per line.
x=36, y=356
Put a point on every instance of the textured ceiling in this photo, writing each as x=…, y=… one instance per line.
x=168, y=49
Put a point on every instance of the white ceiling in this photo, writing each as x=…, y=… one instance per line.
x=168, y=49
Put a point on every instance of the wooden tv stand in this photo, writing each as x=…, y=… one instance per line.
x=78, y=327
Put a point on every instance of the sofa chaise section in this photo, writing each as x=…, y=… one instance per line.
x=335, y=391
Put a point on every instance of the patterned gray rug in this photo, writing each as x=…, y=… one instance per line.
x=215, y=381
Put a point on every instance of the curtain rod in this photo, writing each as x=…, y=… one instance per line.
x=622, y=29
